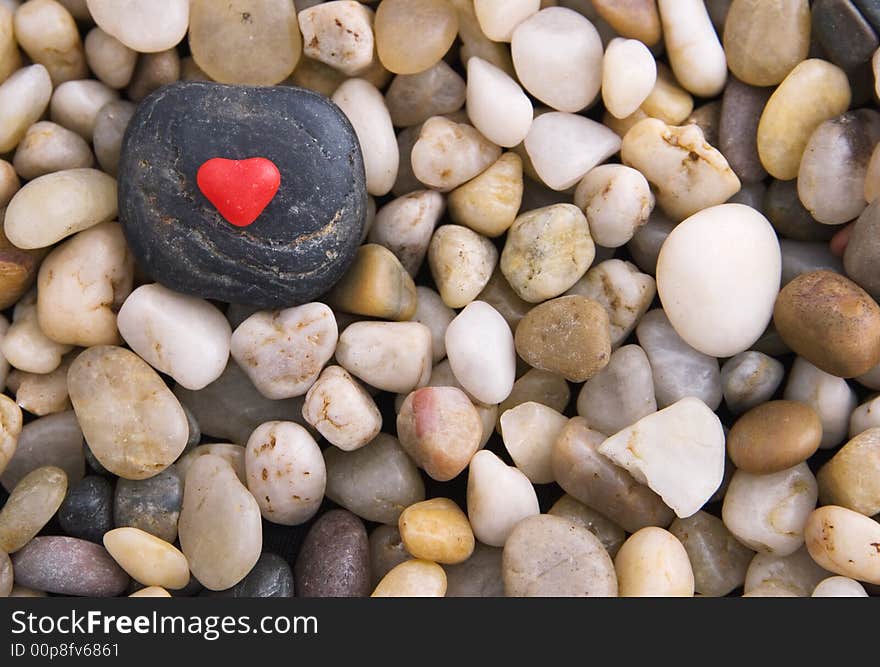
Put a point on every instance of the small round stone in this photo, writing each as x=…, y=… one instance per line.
x=488, y=204
x=405, y=226
x=616, y=201
x=147, y=559
x=24, y=97
x=568, y=335
x=830, y=321
x=341, y=410
x=285, y=472
x=496, y=104
x=549, y=556
x=749, y=379
x=774, y=436
x=31, y=505
x=151, y=505
x=447, y=153
x=636, y=19
x=110, y=60
x=436, y=530
x=48, y=147
x=413, y=578
x=413, y=35
x=376, y=285
x=441, y=430
x=628, y=76
x=413, y=98
x=831, y=397
x=87, y=510
x=461, y=262
x=376, y=482
x=844, y=542
x=529, y=431
x=68, y=566
x=334, y=560
x=653, y=563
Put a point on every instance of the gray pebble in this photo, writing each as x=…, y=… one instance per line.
x=153, y=504
x=335, y=558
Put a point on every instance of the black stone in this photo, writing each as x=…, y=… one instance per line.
x=87, y=511
x=789, y=217
x=335, y=558
x=94, y=463
x=870, y=9
x=153, y=504
x=306, y=237
x=270, y=578
x=847, y=37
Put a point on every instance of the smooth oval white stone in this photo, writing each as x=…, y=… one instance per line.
x=24, y=97
x=679, y=370
x=25, y=346
x=285, y=472
x=283, y=351
x=839, y=587
x=718, y=276
x=481, y=352
x=392, y=356
x=65, y=202
x=557, y=54
x=866, y=416
x=768, y=512
x=448, y=153
x=232, y=454
x=339, y=34
x=694, y=49
x=831, y=397
x=653, y=563
x=797, y=572
x=563, y=147
x=76, y=104
x=341, y=410
x=616, y=200
x=148, y=559
x=147, y=26
x=629, y=73
x=364, y=106
x=220, y=530
x=183, y=336
x=498, y=497
x=496, y=104
x=499, y=18
x=529, y=432
x=678, y=452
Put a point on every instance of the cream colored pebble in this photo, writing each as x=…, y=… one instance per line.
x=143, y=25
x=413, y=579
x=111, y=60
x=365, y=107
x=530, y=431
x=283, y=351
x=616, y=200
x=46, y=31
x=629, y=73
x=10, y=430
x=436, y=315
x=498, y=497
x=341, y=410
x=75, y=105
x=26, y=347
x=48, y=147
x=461, y=263
x=496, y=104
x=148, y=559
x=653, y=563
x=405, y=226
x=447, y=154
x=99, y=257
x=839, y=587
x=393, y=356
x=499, y=18
x=844, y=542
x=694, y=49
x=488, y=204
x=177, y=334
x=24, y=97
x=338, y=33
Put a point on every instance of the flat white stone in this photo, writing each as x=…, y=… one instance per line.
x=496, y=104
x=678, y=452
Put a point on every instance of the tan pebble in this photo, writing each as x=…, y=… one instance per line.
x=414, y=98
x=830, y=321
x=569, y=336
x=437, y=530
x=461, y=262
x=667, y=101
x=283, y=351
x=538, y=386
x=441, y=430
x=309, y=73
x=413, y=579
x=48, y=147
x=151, y=592
x=338, y=33
x=18, y=270
x=75, y=105
x=10, y=429
x=110, y=60
x=774, y=436
x=547, y=250
x=852, y=477
x=131, y=421
x=24, y=97
x=25, y=346
x=636, y=19
x=844, y=542
x=341, y=410
x=687, y=173
x=10, y=56
x=412, y=35
x=609, y=533
x=764, y=40
x=488, y=204
x=447, y=154
x=153, y=71
x=260, y=51
x=653, y=563
x=376, y=285
x=6, y=576
x=100, y=258
x=813, y=92
x=9, y=183
x=46, y=31
x=31, y=505
x=146, y=558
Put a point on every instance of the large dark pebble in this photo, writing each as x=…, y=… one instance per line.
x=68, y=566
x=270, y=578
x=335, y=558
x=87, y=511
x=847, y=36
x=305, y=238
x=741, y=109
x=153, y=504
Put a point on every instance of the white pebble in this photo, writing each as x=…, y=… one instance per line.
x=529, y=432
x=338, y=33
x=498, y=497
x=436, y=315
x=694, y=49
x=831, y=397
x=839, y=587
x=392, y=356
x=499, y=18
x=143, y=25
x=617, y=200
x=629, y=72
x=405, y=225
x=341, y=410
x=496, y=104
x=447, y=154
x=480, y=348
x=24, y=97
x=180, y=335
x=749, y=379
x=75, y=105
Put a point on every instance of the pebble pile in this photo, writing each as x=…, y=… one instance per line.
x=552, y=298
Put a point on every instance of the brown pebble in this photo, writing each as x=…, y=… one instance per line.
x=774, y=436
x=569, y=336
x=636, y=19
x=831, y=322
x=852, y=477
x=335, y=558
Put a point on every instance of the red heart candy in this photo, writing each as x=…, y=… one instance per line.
x=240, y=189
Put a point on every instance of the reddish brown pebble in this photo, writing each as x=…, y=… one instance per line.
x=774, y=436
